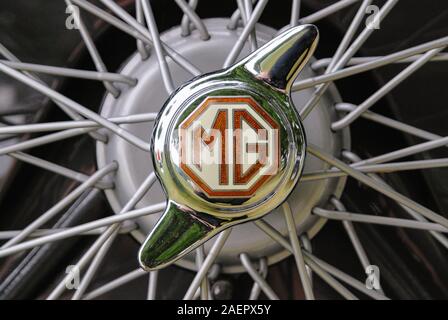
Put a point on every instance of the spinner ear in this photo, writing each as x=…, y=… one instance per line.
x=178, y=231
x=279, y=61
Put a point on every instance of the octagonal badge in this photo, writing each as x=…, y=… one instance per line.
x=229, y=146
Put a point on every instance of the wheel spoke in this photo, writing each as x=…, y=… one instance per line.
x=101, y=246
x=208, y=262
x=75, y=106
x=332, y=282
x=297, y=251
x=236, y=50
x=263, y=271
x=338, y=274
x=387, y=221
x=185, y=24
x=295, y=13
x=164, y=69
x=353, y=236
x=125, y=229
x=327, y=11
x=72, y=114
x=93, y=51
x=391, y=123
x=369, y=102
x=247, y=264
x=324, y=62
x=152, y=285
x=245, y=6
x=277, y=236
x=67, y=72
x=49, y=138
x=74, y=231
x=137, y=273
x=438, y=236
x=63, y=125
x=194, y=18
x=80, y=264
x=141, y=47
x=58, y=207
x=55, y=168
x=94, y=266
x=348, y=54
x=377, y=168
x=382, y=61
x=120, y=12
x=204, y=289
x=405, y=152
x=361, y=177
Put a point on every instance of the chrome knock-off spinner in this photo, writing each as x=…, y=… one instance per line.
x=228, y=147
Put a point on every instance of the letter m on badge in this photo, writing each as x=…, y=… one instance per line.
x=229, y=147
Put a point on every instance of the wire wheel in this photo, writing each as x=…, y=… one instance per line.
x=367, y=192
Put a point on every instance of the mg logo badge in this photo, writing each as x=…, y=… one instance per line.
x=229, y=147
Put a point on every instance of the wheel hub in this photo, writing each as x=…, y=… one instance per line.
x=250, y=201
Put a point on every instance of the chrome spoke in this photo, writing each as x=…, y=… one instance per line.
x=438, y=236
x=349, y=34
x=369, y=102
x=245, y=6
x=348, y=54
x=147, y=39
x=332, y=282
x=245, y=260
x=194, y=18
x=120, y=12
x=297, y=251
x=263, y=271
x=152, y=285
x=43, y=140
x=93, y=51
x=405, y=152
x=387, y=221
x=236, y=50
x=75, y=106
x=204, y=288
x=72, y=114
x=208, y=262
x=353, y=236
x=55, y=168
x=344, y=277
x=325, y=62
x=60, y=288
x=361, y=177
x=74, y=231
x=93, y=267
x=137, y=273
x=64, y=125
x=185, y=23
x=164, y=69
x=391, y=123
x=125, y=229
x=327, y=11
x=101, y=246
x=63, y=203
x=295, y=13
x=67, y=72
x=141, y=46
x=275, y=235
x=378, y=168
x=382, y=61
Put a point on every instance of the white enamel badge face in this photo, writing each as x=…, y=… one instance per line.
x=229, y=147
